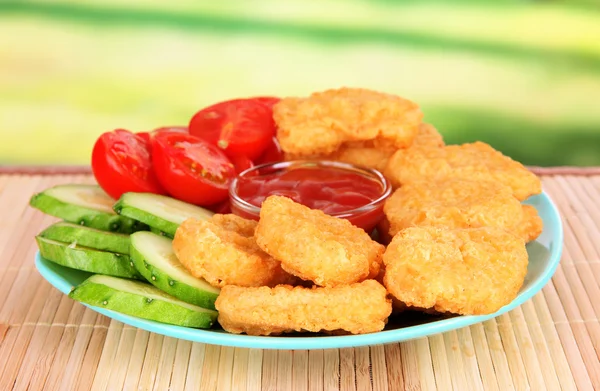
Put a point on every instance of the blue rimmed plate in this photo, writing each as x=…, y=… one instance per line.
x=544, y=256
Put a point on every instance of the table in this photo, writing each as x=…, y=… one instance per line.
x=48, y=341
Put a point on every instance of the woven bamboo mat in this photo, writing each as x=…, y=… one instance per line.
x=551, y=342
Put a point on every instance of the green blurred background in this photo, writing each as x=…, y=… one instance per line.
x=523, y=76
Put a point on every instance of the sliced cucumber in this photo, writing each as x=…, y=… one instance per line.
x=85, y=205
x=161, y=233
x=87, y=259
x=87, y=237
x=141, y=300
x=154, y=258
x=160, y=212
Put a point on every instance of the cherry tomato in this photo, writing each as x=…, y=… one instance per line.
x=239, y=127
x=145, y=136
x=191, y=169
x=221, y=208
x=121, y=163
x=272, y=154
x=241, y=163
x=180, y=129
x=148, y=135
x=267, y=100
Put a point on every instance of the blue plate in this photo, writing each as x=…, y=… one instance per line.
x=544, y=255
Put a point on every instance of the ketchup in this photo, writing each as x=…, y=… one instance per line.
x=334, y=190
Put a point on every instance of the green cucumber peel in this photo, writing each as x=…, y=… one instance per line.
x=154, y=258
x=86, y=205
x=158, y=211
x=87, y=259
x=87, y=237
x=141, y=300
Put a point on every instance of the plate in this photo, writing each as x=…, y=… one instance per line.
x=544, y=256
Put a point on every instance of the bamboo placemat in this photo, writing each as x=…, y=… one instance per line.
x=48, y=341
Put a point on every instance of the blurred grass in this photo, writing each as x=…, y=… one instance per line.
x=524, y=77
x=565, y=34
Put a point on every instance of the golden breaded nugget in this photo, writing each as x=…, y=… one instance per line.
x=358, y=153
x=370, y=157
x=473, y=271
x=223, y=252
x=428, y=136
x=366, y=154
x=376, y=269
x=358, y=308
x=234, y=223
x=321, y=123
x=477, y=161
x=459, y=203
x=315, y=246
x=531, y=226
x=377, y=155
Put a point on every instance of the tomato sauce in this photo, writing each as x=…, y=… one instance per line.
x=335, y=191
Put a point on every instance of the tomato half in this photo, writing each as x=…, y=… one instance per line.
x=239, y=127
x=180, y=129
x=145, y=136
x=191, y=169
x=148, y=135
x=272, y=154
x=241, y=163
x=121, y=163
x=267, y=100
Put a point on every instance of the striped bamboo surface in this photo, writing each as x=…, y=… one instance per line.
x=551, y=342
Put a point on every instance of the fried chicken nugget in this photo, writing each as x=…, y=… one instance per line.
x=531, y=226
x=473, y=271
x=315, y=246
x=367, y=155
x=359, y=153
x=370, y=157
x=358, y=308
x=321, y=123
x=460, y=203
x=477, y=161
x=223, y=252
x=428, y=136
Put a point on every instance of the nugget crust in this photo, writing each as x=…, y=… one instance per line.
x=358, y=308
x=223, y=252
x=477, y=161
x=322, y=122
x=358, y=153
x=459, y=203
x=472, y=271
x=365, y=154
x=315, y=246
x=370, y=157
x=428, y=136
x=531, y=226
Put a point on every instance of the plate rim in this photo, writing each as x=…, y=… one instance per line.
x=331, y=342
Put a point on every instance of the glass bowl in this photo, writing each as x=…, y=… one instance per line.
x=366, y=216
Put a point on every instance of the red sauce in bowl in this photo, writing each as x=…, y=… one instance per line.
x=338, y=189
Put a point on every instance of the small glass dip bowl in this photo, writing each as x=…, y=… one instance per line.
x=365, y=216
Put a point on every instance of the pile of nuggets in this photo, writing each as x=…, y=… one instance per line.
x=452, y=240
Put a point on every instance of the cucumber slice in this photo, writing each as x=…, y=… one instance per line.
x=141, y=300
x=160, y=212
x=87, y=259
x=161, y=233
x=85, y=205
x=87, y=237
x=154, y=258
